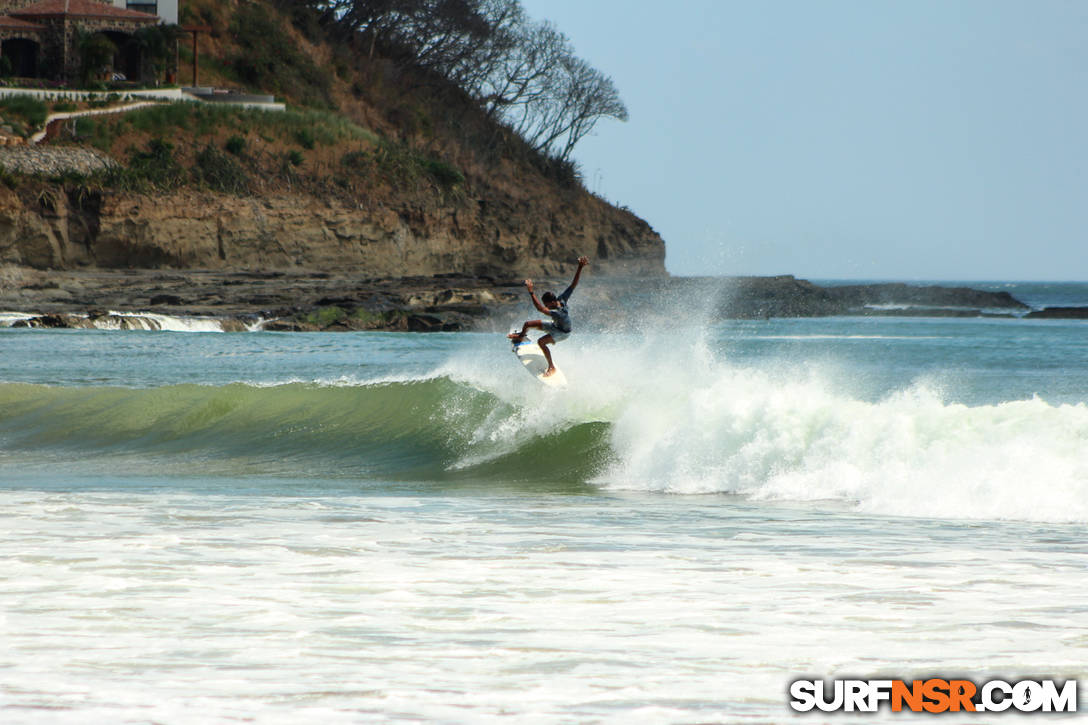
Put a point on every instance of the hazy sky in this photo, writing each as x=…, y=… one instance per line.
x=908, y=139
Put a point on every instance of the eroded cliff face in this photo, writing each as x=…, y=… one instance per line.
x=54, y=228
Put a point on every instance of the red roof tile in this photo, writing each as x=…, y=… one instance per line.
x=81, y=9
x=10, y=23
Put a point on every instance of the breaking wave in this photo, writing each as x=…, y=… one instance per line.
x=659, y=418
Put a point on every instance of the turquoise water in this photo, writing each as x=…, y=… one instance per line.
x=382, y=527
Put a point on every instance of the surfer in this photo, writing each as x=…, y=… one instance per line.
x=555, y=307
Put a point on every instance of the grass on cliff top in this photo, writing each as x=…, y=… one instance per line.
x=306, y=128
x=24, y=114
x=243, y=151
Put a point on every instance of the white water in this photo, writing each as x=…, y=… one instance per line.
x=193, y=607
x=686, y=422
x=154, y=321
x=150, y=321
x=7, y=319
x=841, y=537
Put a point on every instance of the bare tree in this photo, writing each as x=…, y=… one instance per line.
x=522, y=72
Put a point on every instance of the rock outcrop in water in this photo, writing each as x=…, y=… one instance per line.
x=307, y=301
x=787, y=296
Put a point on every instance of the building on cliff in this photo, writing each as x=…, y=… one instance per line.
x=41, y=39
x=165, y=9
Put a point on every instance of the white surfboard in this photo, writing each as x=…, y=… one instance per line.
x=534, y=361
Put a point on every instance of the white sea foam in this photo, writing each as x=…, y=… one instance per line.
x=153, y=321
x=684, y=422
x=186, y=607
x=7, y=319
x=140, y=321
x=909, y=454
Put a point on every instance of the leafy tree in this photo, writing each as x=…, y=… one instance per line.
x=157, y=45
x=96, y=53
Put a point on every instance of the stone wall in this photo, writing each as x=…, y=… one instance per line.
x=70, y=28
x=53, y=161
x=6, y=6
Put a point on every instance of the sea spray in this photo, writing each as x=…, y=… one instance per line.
x=743, y=431
x=682, y=418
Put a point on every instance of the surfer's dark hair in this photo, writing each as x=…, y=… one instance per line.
x=548, y=297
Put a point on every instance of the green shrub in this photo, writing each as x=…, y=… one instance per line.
x=235, y=145
x=31, y=111
x=294, y=157
x=220, y=172
x=325, y=316
x=8, y=178
x=305, y=138
x=86, y=126
x=443, y=173
x=563, y=171
x=156, y=167
x=162, y=119
x=356, y=160
x=96, y=52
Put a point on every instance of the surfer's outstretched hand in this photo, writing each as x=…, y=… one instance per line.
x=529, y=285
x=583, y=261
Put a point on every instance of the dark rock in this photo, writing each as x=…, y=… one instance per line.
x=231, y=324
x=428, y=304
x=287, y=326
x=1059, y=313
x=56, y=321
x=898, y=293
x=927, y=312
x=424, y=323
x=470, y=310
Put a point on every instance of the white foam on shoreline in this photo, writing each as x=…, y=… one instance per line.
x=153, y=321
x=7, y=319
x=150, y=321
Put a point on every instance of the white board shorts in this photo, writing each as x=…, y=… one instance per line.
x=557, y=334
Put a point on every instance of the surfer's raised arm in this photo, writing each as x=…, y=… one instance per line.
x=582, y=262
x=536, y=303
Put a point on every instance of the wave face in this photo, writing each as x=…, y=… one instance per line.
x=412, y=429
x=668, y=416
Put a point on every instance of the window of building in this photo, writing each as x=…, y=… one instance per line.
x=145, y=7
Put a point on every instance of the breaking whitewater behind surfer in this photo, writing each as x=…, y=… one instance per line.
x=555, y=307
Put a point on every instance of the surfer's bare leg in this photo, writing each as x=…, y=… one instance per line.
x=544, y=342
x=538, y=324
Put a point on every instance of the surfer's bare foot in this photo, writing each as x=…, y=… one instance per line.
x=516, y=336
x=548, y=373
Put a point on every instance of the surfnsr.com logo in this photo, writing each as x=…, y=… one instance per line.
x=934, y=695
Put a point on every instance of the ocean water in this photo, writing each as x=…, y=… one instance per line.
x=397, y=527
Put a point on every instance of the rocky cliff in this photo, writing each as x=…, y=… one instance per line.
x=48, y=227
x=388, y=171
